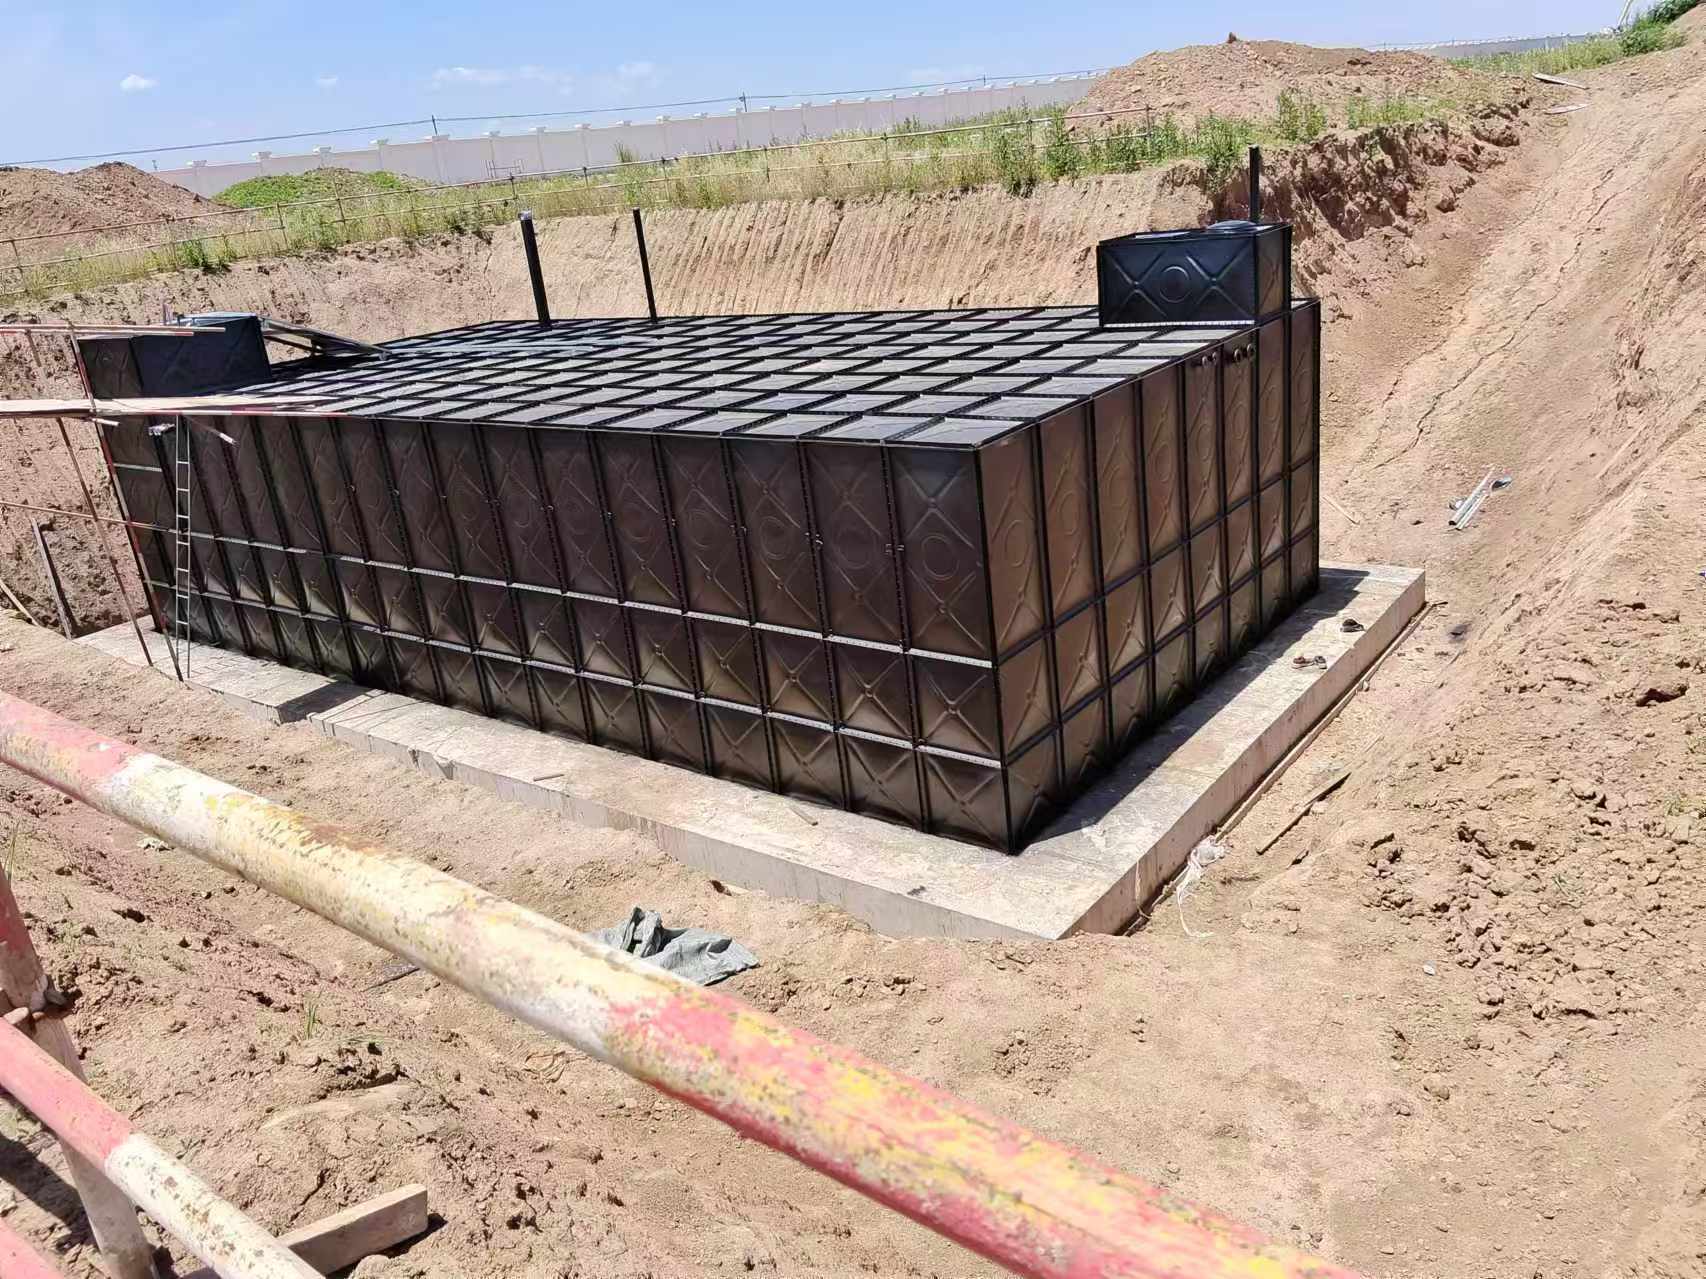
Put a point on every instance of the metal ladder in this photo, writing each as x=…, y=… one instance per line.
x=181, y=583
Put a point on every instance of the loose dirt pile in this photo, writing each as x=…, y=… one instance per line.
x=1449, y=1024
x=1246, y=77
x=36, y=201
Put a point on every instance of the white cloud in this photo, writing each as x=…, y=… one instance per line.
x=484, y=76
x=634, y=71
x=134, y=83
x=326, y=81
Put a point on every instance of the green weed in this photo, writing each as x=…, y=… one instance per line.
x=316, y=184
x=1299, y=118
x=1015, y=161
x=1223, y=142
x=1062, y=157
x=1648, y=36
x=1668, y=11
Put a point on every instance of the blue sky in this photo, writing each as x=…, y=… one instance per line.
x=111, y=75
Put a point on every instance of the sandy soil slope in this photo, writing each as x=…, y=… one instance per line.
x=1448, y=1025
x=1246, y=77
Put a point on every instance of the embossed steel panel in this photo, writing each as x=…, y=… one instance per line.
x=1126, y=619
x=1302, y=502
x=941, y=529
x=779, y=543
x=851, y=508
x=882, y=779
x=808, y=761
x=965, y=798
x=1078, y=656
x=507, y=690
x=871, y=689
x=796, y=675
x=1241, y=541
x=1014, y=550
x=637, y=518
x=958, y=706
x=944, y=582
x=1083, y=747
x=728, y=661
x=1171, y=606
x=459, y=676
x=577, y=511
x=1234, y=272
x=1237, y=418
x=523, y=512
x=546, y=630
x=1118, y=509
x=613, y=714
x=558, y=694
x=1173, y=673
x=662, y=648
x=1033, y=787
x=1272, y=380
x=1163, y=486
x=601, y=628
x=1305, y=382
x=1208, y=568
x=672, y=724
x=740, y=744
x=1129, y=708
x=703, y=512
x=1202, y=442
x=1071, y=546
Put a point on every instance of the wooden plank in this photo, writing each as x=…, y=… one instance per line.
x=23, y=984
x=344, y=1238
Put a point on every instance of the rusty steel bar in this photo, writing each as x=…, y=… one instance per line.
x=106, y=542
x=1037, y=1207
x=219, y=1233
x=20, y=1261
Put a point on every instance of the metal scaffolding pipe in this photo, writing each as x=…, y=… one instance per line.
x=219, y=1233
x=1037, y=1207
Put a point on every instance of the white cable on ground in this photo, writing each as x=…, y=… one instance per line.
x=1205, y=854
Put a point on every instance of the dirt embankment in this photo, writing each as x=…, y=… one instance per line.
x=41, y=201
x=1246, y=78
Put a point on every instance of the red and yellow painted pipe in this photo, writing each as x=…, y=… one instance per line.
x=1030, y=1204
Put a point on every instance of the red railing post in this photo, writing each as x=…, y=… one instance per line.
x=112, y=1218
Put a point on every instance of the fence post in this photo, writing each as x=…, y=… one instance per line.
x=112, y=1217
x=283, y=234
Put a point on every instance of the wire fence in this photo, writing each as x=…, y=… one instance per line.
x=1012, y=149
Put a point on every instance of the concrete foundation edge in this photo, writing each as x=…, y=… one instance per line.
x=1093, y=871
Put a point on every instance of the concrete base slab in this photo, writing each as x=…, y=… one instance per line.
x=1103, y=860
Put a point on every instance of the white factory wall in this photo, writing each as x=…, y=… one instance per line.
x=441, y=158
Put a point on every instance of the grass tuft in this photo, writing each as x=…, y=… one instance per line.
x=316, y=184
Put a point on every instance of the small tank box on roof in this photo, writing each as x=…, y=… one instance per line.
x=939, y=567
